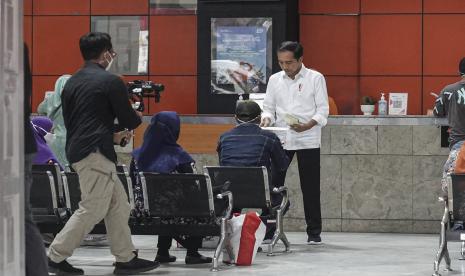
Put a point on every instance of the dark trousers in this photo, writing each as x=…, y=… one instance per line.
x=36, y=260
x=309, y=173
x=191, y=243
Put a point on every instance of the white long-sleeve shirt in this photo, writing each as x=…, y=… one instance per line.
x=304, y=97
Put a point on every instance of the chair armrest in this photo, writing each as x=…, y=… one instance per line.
x=228, y=195
x=282, y=190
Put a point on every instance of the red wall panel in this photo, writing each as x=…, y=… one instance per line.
x=120, y=7
x=60, y=7
x=435, y=85
x=173, y=45
x=443, y=46
x=180, y=94
x=444, y=6
x=391, y=45
x=344, y=91
x=373, y=86
x=330, y=43
x=329, y=6
x=391, y=6
x=27, y=7
x=41, y=84
x=56, y=45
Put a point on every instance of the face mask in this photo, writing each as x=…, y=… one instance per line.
x=245, y=122
x=50, y=138
x=109, y=62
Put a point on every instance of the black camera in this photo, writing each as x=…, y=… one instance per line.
x=140, y=89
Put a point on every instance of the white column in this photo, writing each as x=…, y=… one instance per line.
x=11, y=138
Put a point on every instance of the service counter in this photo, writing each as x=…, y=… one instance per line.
x=378, y=173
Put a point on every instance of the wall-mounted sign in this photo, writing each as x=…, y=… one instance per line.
x=240, y=55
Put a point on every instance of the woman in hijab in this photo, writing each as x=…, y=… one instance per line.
x=160, y=153
x=42, y=127
x=51, y=107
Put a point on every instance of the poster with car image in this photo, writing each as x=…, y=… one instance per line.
x=240, y=55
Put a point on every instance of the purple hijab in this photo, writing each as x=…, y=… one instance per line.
x=41, y=125
x=159, y=151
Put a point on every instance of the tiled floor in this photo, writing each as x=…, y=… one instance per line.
x=360, y=254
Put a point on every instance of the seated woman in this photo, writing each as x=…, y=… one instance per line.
x=51, y=107
x=42, y=127
x=160, y=153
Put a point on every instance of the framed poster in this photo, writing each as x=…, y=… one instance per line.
x=241, y=55
x=398, y=103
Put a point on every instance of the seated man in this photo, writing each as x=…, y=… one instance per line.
x=250, y=146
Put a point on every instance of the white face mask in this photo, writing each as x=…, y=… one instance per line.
x=109, y=62
x=50, y=138
x=245, y=122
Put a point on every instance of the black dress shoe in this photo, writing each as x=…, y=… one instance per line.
x=165, y=259
x=63, y=268
x=197, y=259
x=134, y=266
x=314, y=239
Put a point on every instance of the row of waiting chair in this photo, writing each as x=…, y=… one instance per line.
x=168, y=200
x=454, y=213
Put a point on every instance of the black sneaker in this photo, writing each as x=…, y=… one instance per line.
x=165, y=259
x=135, y=265
x=63, y=268
x=197, y=259
x=314, y=239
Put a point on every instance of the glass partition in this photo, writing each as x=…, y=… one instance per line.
x=130, y=38
x=241, y=55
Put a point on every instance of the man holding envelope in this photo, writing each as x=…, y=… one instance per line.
x=296, y=97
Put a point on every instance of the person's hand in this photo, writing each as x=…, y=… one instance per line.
x=303, y=127
x=299, y=127
x=429, y=112
x=118, y=136
x=265, y=122
x=140, y=114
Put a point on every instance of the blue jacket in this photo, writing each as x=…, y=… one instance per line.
x=248, y=145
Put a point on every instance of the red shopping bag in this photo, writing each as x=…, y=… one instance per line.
x=246, y=233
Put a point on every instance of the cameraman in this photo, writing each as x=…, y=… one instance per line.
x=92, y=99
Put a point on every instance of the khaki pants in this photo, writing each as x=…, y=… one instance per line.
x=102, y=197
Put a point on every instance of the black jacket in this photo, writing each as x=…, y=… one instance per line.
x=92, y=99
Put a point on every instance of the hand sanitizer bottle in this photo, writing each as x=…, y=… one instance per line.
x=382, y=105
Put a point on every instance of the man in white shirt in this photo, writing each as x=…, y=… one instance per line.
x=297, y=98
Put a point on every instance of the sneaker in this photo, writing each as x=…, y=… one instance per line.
x=197, y=259
x=314, y=239
x=165, y=259
x=63, y=268
x=134, y=266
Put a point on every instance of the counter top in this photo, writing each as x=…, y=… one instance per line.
x=354, y=120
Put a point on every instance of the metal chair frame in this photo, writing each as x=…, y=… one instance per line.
x=224, y=218
x=446, y=233
x=279, y=233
